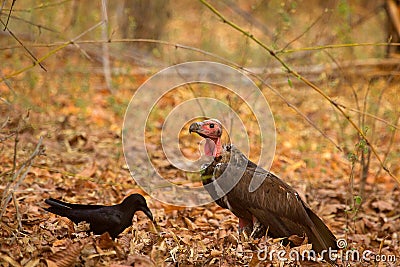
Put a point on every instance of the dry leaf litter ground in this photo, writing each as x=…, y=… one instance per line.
x=83, y=163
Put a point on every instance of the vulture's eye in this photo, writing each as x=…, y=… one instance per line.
x=212, y=125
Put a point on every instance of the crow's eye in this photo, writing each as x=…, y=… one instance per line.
x=212, y=125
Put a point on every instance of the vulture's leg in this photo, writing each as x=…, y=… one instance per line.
x=259, y=230
x=245, y=228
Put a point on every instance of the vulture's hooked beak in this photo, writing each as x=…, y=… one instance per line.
x=195, y=127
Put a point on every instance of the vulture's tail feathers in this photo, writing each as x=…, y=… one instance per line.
x=321, y=237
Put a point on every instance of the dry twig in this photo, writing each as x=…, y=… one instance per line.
x=52, y=52
x=18, y=176
x=22, y=44
x=9, y=14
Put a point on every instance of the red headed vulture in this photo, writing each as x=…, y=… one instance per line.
x=273, y=207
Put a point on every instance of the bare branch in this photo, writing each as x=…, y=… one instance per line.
x=26, y=49
x=4, y=123
x=41, y=6
x=305, y=31
x=39, y=26
x=52, y=52
x=9, y=14
x=21, y=173
x=329, y=46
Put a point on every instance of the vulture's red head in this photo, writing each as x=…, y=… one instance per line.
x=211, y=130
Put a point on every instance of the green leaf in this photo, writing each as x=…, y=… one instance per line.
x=290, y=82
x=357, y=199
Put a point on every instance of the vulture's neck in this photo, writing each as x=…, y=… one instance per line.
x=213, y=147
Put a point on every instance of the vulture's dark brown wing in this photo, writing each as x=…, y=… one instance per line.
x=279, y=207
x=274, y=203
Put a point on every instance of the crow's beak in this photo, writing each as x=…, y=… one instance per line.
x=195, y=127
x=148, y=213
